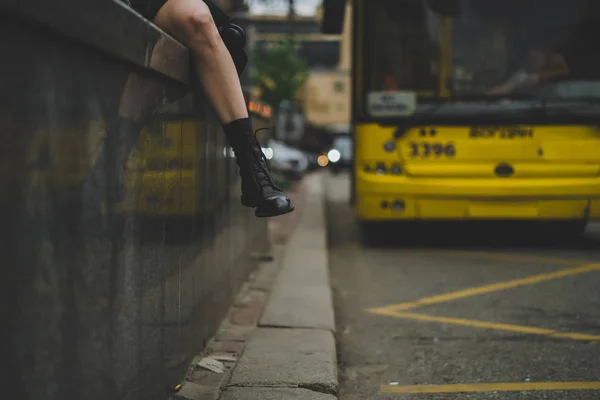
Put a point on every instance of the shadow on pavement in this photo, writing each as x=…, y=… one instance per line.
x=480, y=235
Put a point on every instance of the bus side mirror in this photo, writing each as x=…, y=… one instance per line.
x=448, y=8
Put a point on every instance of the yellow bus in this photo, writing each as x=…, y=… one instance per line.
x=474, y=109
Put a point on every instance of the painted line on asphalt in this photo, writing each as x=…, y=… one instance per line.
x=495, y=287
x=490, y=387
x=530, y=330
x=512, y=257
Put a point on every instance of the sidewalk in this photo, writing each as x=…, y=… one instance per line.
x=277, y=342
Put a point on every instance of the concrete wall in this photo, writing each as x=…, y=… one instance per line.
x=123, y=240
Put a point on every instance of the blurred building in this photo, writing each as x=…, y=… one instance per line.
x=325, y=98
x=320, y=51
x=327, y=95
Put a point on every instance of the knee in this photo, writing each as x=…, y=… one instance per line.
x=201, y=29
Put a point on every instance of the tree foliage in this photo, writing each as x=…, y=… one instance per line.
x=278, y=72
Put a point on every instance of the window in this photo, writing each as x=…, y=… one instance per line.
x=488, y=48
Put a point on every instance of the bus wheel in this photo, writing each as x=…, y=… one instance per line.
x=370, y=233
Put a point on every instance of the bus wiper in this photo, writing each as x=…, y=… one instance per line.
x=569, y=105
x=591, y=100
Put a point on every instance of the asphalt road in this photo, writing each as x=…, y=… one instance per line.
x=519, y=319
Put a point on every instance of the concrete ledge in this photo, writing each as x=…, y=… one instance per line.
x=304, y=358
x=108, y=25
x=302, y=295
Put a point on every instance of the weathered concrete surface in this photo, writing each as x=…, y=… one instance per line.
x=302, y=296
x=289, y=357
x=292, y=354
x=115, y=271
x=234, y=393
x=193, y=391
x=300, y=307
x=266, y=275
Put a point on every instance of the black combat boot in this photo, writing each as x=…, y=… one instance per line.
x=259, y=190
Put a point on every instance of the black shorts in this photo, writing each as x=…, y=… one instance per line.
x=148, y=8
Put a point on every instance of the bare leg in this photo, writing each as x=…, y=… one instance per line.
x=190, y=22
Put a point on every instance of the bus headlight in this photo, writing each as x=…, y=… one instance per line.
x=399, y=205
x=396, y=169
x=389, y=146
x=334, y=155
x=380, y=168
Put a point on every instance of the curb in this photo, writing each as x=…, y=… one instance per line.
x=302, y=296
x=277, y=342
x=229, y=342
x=292, y=352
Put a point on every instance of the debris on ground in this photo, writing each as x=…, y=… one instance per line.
x=212, y=365
x=224, y=357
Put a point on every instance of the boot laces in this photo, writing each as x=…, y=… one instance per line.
x=260, y=165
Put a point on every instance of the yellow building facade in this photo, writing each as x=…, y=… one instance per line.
x=326, y=97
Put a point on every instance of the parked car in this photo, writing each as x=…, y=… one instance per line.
x=290, y=162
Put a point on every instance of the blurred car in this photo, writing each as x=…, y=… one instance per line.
x=340, y=154
x=290, y=162
x=313, y=160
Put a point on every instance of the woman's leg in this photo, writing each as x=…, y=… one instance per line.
x=191, y=22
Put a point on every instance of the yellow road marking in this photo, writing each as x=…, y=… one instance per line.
x=490, y=325
x=512, y=257
x=491, y=387
x=495, y=287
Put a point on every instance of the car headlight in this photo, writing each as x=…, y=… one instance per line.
x=323, y=160
x=228, y=152
x=334, y=155
x=268, y=152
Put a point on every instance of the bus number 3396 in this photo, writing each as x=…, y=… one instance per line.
x=436, y=149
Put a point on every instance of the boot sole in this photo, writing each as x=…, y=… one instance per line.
x=249, y=204
x=275, y=214
x=259, y=214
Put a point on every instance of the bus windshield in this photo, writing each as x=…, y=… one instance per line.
x=483, y=48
